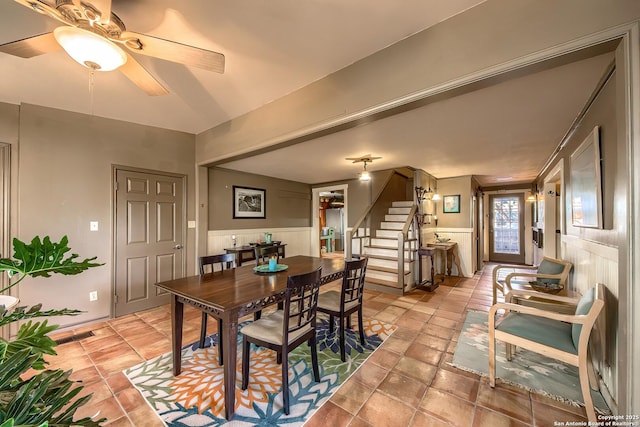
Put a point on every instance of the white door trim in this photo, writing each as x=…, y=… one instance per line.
x=315, y=207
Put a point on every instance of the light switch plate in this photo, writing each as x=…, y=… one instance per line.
x=93, y=226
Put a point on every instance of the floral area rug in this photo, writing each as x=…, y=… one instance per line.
x=526, y=369
x=196, y=396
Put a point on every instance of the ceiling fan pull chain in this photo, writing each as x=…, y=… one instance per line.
x=92, y=76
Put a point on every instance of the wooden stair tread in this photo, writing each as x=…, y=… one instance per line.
x=393, y=270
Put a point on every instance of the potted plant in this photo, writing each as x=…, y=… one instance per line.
x=46, y=398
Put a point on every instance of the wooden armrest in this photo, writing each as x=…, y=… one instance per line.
x=509, y=277
x=540, y=295
x=570, y=318
x=499, y=267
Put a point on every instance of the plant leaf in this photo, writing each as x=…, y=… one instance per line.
x=40, y=258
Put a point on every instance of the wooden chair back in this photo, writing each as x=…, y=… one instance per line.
x=208, y=262
x=263, y=253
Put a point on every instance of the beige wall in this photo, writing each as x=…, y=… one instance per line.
x=288, y=203
x=9, y=125
x=65, y=181
x=589, y=249
x=455, y=186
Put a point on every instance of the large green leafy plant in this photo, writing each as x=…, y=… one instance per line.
x=46, y=398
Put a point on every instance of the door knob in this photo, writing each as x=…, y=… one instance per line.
x=177, y=246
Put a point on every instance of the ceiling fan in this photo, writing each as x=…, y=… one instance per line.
x=97, y=38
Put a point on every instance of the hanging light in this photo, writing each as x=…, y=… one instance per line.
x=90, y=49
x=364, y=175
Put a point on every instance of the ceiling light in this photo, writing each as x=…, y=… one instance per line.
x=90, y=49
x=364, y=175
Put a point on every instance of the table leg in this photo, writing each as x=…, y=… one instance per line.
x=177, y=317
x=230, y=339
x=449, y=255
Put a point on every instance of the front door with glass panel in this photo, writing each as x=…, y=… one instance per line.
x=506, y=229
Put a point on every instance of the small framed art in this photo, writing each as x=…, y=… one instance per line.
x=451, y=204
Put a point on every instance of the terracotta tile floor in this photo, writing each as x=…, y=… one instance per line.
x=407, y=382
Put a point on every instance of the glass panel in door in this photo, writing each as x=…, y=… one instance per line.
x=506, y=231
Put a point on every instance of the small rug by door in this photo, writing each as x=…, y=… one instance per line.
x=526, y=369
x=196, y=396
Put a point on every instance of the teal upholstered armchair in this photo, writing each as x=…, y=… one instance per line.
x=559, y=336
x=550, y=272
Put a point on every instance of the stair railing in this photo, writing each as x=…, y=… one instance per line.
x=410, y=242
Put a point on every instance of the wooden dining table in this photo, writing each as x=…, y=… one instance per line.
x=232, y=294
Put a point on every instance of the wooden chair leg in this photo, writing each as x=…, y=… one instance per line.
x=492, y=355
x=279, y=358
x=330, y=324
x=360, y=326
x=257, y=315
x=285, y=383
x=203, y=330
x=246, y=348
x=314, y=359
x=342, y=341
x=220, y=348
x=586, y=391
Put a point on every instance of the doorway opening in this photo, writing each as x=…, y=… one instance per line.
x=331, y=219
x=330, y=207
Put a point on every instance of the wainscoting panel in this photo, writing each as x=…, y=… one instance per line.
x=595, y=263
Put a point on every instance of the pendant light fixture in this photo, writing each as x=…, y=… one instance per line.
x=364, y=175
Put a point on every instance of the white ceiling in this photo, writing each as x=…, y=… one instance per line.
x=273, y=48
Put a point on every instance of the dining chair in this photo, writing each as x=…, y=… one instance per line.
x=207, y=266
x=284, y=330
x=550, y=271
x=346, y=302
x=263, y=253
x=555, y=335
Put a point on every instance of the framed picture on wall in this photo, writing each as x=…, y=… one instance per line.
x=586, y=183
x=249, y=202
x=451, y=204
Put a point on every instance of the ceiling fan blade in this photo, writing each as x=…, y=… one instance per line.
x=31, y=46
x=173, y=51
x=142, y=78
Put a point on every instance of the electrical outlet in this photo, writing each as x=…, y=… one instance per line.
x=93, y=296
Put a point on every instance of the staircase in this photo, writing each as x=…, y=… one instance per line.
x=382, y=251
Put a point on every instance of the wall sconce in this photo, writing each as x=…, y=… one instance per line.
x=233, y=238
x=435, y=219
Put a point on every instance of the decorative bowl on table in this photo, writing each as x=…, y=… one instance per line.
x=546, y=287
x=264, y=268
x=442, y=239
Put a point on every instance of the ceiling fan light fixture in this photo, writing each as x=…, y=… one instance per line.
x=364, y=176
x=90, y=49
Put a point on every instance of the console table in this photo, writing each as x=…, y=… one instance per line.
x=247, y=252
x=450, y=250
